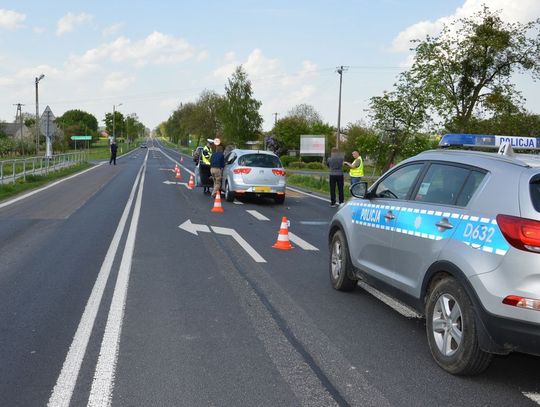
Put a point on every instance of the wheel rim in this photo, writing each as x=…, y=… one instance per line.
x=447, y=325
x=227, y=191
x=337, y=259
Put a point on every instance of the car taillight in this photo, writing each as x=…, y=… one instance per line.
x=281, y=173
x=522, y=302
x=523, y=234
x=242, y=170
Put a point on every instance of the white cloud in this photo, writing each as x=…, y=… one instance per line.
x=68, y=22
x=202, y=56
x=156, y=49
x=522, y=11
x=39, y=30
x=118, y=81
x=112, y=29
x=11, y=19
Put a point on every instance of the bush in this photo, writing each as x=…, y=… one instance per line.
x=315, y=166
x=297, y=164
x=286, y=160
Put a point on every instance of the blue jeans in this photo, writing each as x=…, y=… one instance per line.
x=354, y=180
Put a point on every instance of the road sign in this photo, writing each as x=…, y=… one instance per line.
x=81, y=138
x=46, y=123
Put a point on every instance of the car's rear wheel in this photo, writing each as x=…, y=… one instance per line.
x=229, y=195
x=340, y=263
x=279, y=199
x=452, y=331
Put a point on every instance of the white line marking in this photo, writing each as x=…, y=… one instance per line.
x=245, y=245
x=533, y=396
x=301, y=242
x=63, y=390
x=257, y=215
x=12, y=201
x=238, y=202
x=398, y=306
x=176, y=162
x=308, y=194
x=313, y=222
x=102, y=386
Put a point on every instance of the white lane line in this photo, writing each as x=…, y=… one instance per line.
x=301, y=242
x=256, y=215
x=313, y=222
x=533, y=396
x=238, y=202
x=12, y=201
x=176, y=162
x=245, y=245
x=103, y=383
x=308, y=194
x=63, y=390
x=398, y=306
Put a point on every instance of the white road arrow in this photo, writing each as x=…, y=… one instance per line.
x=245, y=245
x=194, y=227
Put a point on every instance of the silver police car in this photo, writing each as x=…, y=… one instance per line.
x=253, y=172
x=456, y=236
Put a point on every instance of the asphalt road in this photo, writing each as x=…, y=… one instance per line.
x=105, y=299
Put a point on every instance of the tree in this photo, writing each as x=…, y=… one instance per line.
x=470, y=64
x=240, y=113
x=118, y=123
x=79, y=123
x=305, y=112
x=206, y=122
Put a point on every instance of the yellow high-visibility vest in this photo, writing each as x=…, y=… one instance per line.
x=357, y=171
x=206, y=154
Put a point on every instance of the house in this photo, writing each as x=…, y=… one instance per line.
x=13, y=130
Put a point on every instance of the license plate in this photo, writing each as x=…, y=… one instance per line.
x=262, y=189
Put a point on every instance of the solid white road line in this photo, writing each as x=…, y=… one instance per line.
x=245, y=245
x=301, y=242
x=102, y=386
x=63, y=390
x=176, y=162
x=238, y=202
x=308, y=194
x=398, y=306
x=256, y=215
x=533, y=396
x=12, y=201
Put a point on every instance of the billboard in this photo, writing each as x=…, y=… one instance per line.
x=312, y=144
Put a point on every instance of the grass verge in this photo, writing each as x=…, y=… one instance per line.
x=35, y=181
x=314, y=183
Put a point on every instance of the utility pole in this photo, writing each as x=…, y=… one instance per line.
x=275, y=118
x=18, y=116
x=37, y=113
x=340, y=71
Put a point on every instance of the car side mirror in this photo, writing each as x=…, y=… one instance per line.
x=359, y=189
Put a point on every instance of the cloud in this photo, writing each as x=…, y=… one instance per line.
x=68, y=22
x=112, y=29
x=118, y=81
x=11, y=19
x=517, y=11
x=156, y=49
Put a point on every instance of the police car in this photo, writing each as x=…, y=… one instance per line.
x=456, y=236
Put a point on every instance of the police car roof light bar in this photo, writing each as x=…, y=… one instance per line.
x=489, y=141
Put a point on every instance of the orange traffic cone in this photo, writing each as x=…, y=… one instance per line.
x=182, y=159
x=178, y=174
x=283, y=242
x=175, y=167
x=217, y=203
x=191, y=183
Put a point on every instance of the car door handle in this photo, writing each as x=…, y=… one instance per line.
x=389, y=216
x=444, y=224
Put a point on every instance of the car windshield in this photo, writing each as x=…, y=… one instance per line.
x=259, y=160
x=535, y=192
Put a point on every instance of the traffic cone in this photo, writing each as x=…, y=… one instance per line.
x=175, y=167
x=178, y=174
x=217, y=203
x=191, y=183
x=283, y=242
x=182, y=159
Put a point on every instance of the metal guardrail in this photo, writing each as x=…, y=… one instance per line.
x=11, y=170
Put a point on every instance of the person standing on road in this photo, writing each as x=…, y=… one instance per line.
x=335, y=163
x=357, y=167
x=217, y=162
x=114, y=149
x=206, y=155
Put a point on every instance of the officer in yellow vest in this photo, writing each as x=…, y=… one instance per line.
x=206, y=154
x=357, y=168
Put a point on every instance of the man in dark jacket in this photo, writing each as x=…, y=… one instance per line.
x=335, y=163
x=114, y=149
x=217, y=162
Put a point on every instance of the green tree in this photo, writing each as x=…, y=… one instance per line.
x=240, y=116
x=118, y=123
x=305, y=112
x=79, y=122
x=469, y=66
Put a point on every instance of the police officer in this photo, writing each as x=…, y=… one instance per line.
x=357, y=167
x=206, y=155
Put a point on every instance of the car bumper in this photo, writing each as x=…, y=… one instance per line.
x=514, y=335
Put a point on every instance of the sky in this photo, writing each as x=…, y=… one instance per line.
x=147, y=57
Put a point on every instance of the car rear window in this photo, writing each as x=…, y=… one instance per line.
x=259, y=160
x=534, y=187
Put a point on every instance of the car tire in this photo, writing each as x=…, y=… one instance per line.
x=452, y=331
x=340, y=263
x=229, y=195
x=279, y=199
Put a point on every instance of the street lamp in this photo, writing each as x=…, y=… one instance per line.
x=339, y=70
x=113, y=120
x=40, y=77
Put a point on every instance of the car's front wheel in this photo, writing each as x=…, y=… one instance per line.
x=340, y=263
x=229, y=195
x=452, y=331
